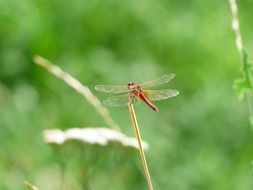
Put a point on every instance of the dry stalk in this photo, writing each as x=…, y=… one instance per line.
x=138, y=136
x=80, y=88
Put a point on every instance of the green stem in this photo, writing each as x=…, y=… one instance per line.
x=246, y=69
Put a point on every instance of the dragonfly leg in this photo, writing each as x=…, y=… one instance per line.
x=132, y=99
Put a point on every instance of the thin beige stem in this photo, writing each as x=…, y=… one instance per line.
x=138, y=136
x=236, y=25
x=30, y=186
x=80, y=88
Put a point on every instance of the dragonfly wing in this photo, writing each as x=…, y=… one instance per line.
x=158, y=81
x=112, y=88
x=116, y=101
x=154, y=95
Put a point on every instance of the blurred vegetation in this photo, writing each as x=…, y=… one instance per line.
x=200, y=139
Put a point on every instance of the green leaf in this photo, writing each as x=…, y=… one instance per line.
x=242, y=86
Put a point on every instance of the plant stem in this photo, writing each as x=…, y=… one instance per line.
x=62, y=171
x=78, y=87
x=244, y=57
x=138, y=136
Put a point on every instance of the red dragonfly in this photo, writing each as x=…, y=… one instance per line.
x=134, y=92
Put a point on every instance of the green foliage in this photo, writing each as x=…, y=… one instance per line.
x=198, y=140
x=244, y=84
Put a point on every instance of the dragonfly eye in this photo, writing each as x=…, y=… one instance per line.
x=130, y=84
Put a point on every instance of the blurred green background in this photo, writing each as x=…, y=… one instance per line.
x=199, y=140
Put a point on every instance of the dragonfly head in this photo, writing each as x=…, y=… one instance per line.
x=133, y=87
x=130, y=84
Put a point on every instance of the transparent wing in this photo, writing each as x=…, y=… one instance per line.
x=154, y=95
x=121, y=100
x=116, y=101
x=158, y=81
x=112, y=88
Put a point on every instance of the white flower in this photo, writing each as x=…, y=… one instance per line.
x=99, y=136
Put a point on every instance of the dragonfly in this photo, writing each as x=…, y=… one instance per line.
x=133, y=93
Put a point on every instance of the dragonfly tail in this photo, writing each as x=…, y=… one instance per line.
x=152, y=106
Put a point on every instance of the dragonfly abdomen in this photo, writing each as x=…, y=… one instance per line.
x=143, y=98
